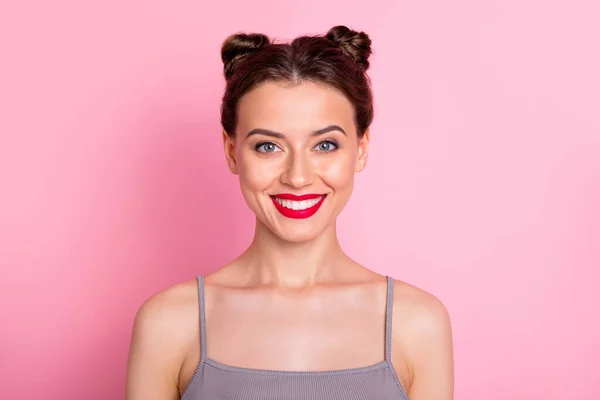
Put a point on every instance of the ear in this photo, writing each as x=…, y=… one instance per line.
x=363, y=152
x=229, y=147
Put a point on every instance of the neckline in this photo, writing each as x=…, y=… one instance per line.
x=259, y=371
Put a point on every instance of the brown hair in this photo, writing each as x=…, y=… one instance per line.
x=339, y=59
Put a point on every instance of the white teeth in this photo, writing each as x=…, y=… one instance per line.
x=299, y=205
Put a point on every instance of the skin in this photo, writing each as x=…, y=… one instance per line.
x=293, y=292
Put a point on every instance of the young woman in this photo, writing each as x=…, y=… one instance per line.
x=293, y=317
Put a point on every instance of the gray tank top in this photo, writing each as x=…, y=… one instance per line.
x=214, y=380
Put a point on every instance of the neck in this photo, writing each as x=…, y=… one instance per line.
x=273, y=261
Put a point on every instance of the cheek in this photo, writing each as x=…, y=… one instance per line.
x=338, y=173
x=255, y=173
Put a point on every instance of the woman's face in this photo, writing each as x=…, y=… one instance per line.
x=296, y=151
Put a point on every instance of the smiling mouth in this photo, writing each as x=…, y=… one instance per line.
x=297, y=207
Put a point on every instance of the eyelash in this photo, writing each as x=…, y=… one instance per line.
x=331, y=142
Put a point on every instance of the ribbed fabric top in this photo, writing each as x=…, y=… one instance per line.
x=214, y=380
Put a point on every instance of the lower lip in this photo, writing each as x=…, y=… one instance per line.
x=298, y=214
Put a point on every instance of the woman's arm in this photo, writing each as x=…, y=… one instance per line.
x=425, y=336
x=154, y=355
x=433, y=363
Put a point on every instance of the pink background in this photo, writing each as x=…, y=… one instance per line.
x=483, y=185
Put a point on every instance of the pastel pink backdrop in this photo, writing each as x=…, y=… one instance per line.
x=483, y=185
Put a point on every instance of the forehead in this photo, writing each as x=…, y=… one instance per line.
x=294, y=108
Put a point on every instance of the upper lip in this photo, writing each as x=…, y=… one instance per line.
x=289, y=196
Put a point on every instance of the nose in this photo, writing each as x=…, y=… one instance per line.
x=299, y=171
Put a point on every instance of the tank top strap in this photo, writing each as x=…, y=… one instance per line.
x=388, y=318
x=202, y=307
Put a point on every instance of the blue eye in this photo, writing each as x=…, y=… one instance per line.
x=266, y=147
x=327, y=146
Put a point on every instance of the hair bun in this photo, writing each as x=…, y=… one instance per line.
x=355, y=44
x=238, y=46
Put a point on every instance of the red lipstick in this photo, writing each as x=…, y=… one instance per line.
x=290, y=201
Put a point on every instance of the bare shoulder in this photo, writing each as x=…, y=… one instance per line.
x=169, y=306
x=164, y=329
x=422, y=342
x=419, y=311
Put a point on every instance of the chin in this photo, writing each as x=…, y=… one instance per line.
x=296, y=231
x=297, y=235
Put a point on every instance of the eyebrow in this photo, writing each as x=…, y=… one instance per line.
x=267, y=132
